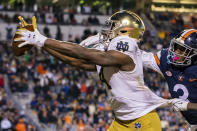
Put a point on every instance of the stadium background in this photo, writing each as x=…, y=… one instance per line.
x=40, y=93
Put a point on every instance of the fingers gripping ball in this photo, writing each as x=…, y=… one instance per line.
x=21, y=51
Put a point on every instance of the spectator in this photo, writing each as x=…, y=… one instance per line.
x=1, y=81
x=59, y=35
x=70, y=38
x=6, y=125
x=81, y=126
x=21, y=125
x=46, y=31
x=49, y=19
x=72, y=19
x=95, y=21
x=9, y=31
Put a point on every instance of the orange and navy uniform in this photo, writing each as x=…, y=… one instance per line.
x=182, y=82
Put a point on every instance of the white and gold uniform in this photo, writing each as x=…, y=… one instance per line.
x=129, y=98
x=151, y=61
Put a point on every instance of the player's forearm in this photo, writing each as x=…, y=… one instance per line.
x=192, y=106
x=67, y=48
x=71, y=61
x=76, y=51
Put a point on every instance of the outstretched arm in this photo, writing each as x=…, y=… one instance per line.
x=69, y=60
x=85, y=65
x=109, y=58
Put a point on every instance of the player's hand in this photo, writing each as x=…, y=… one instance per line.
x=28, y=36
x=178, y=104
x=92, y=41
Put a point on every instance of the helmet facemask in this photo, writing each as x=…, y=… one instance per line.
x=179, y=54
x=107, y=33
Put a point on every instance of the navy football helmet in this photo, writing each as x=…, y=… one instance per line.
x=186, y=44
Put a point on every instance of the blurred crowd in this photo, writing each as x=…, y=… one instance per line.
x=33, y=6
x=70, y=99
x=11, y=119
x=168, y=24
x=53, y=18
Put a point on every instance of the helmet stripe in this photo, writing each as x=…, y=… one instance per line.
x=188, y=33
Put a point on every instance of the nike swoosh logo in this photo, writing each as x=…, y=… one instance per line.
x=192, y=80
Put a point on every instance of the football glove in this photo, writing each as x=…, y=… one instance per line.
x=178, y=104
x=28, y=36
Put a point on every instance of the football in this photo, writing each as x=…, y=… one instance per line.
x=21, y=51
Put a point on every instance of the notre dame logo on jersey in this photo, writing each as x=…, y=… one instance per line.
x=122, y=46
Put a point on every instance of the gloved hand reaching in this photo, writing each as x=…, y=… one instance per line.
x=31, y=37
x=178, y=104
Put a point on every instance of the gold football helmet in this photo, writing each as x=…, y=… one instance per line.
x=124, y=23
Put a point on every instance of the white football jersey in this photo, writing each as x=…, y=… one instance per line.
x=148, y=60
x=129, y=97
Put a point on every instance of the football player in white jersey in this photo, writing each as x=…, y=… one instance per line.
x=119, y=65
